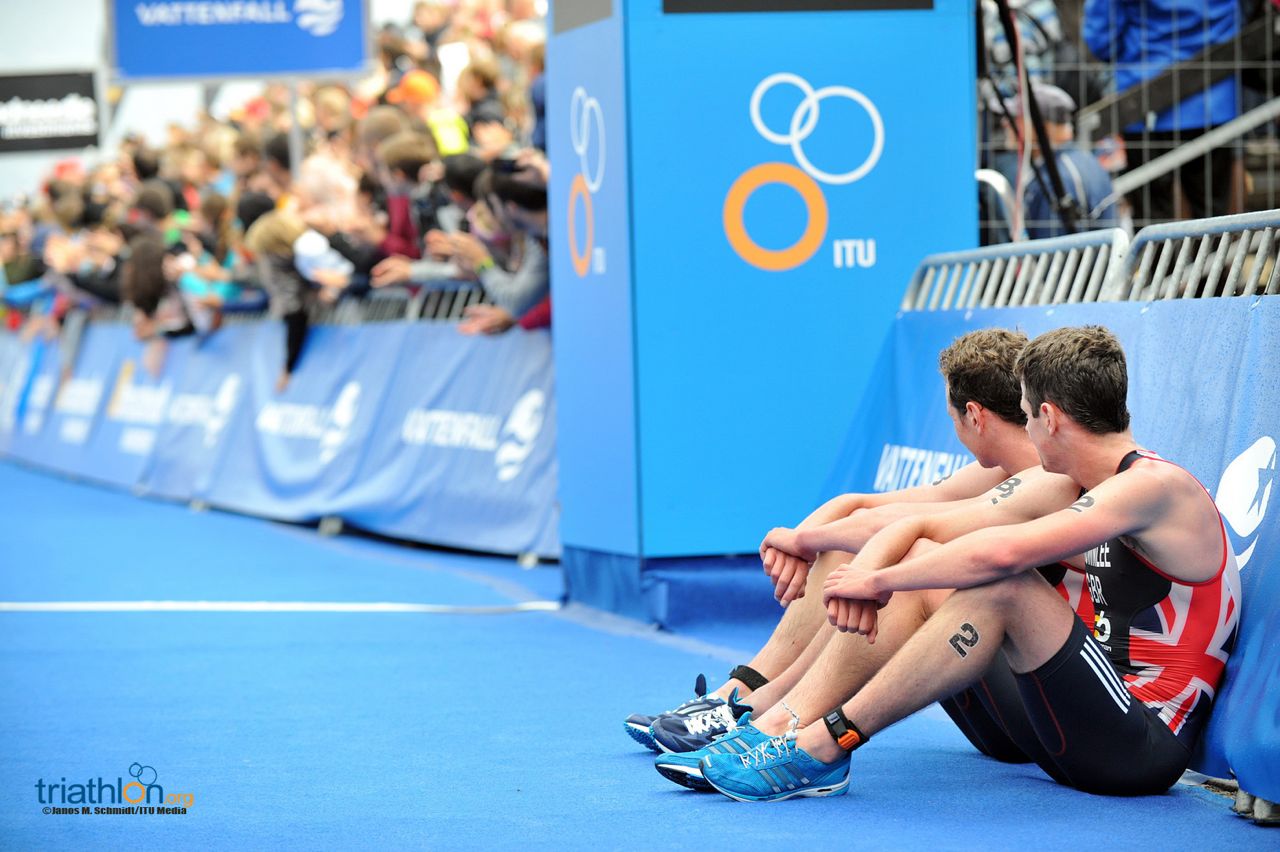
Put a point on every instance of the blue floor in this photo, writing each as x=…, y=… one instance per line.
x=408, y=730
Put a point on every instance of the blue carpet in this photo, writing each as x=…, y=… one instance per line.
x=377, y=730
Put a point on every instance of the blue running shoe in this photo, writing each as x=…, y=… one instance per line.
x=694, y=729
x=684, y=769
x=637, y=724
x=775, y=770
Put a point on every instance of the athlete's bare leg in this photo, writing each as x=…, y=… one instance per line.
x=848, y=662
x=800, y=623
x=1023, y=616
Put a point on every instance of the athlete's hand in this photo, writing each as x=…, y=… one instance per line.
x=788, y=541
x=789, y=574
x=849, y=616
x=851, y=607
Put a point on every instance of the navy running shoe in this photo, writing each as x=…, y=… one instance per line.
x=637, y=724
x=774, y=770
x=684, y=768
x=695, y=729
x=637, y=727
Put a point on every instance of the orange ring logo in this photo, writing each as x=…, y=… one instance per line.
x=735, y=229
x=581, y=260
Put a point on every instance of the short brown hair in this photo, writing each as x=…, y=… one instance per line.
x=1082, y=371
x=978, y=368
x=379, y=125
x=408, y=152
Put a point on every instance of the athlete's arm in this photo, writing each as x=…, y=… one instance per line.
x=1026, y=495
x=1121, y=505
x=786, y=559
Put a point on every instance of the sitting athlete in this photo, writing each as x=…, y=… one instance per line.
x=983, y=400
x=1112, y=708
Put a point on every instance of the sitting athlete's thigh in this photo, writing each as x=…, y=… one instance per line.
x=1103, y=739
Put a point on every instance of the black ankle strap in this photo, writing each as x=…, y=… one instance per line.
x=749, y=676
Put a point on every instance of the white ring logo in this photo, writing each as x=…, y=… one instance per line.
x=803, y=122
x=584, y=113
x=586, y=120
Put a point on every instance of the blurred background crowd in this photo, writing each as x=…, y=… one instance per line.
x=428, y=173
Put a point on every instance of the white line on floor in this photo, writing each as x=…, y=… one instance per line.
x=269, y=606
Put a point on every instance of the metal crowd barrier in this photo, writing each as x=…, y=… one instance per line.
x=1201, y=258
x=1223, y=256
x=1074, y=268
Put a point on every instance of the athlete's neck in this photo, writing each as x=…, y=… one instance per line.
x=1096, y=458
x=1017, y=453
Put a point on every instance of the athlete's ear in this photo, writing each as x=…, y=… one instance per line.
x=1050, y=414
x=975, y=414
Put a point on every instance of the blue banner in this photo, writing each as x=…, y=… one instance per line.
x=442, y=449
x=210, y=390
x=292, y=453
x=157, y=39
x=407, y=429
x=1209, y=401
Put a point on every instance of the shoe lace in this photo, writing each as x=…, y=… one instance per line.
x=775, y=748
x=770, y=751
x=718, y=718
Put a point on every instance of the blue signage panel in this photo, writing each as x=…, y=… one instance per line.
x=156, y=39
x=208, y=393
x=294, y=451
x=466, y=451
x=591, y=274
x=781, y=200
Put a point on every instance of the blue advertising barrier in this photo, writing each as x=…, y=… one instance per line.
x=1209, y=400
x=411, y=430
x=159, y=40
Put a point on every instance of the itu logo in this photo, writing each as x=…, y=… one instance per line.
x=318, y=17
x=586, y=126
x=804, y=178
x=1244, y=495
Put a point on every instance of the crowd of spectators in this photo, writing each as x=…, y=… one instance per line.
x=428, y=173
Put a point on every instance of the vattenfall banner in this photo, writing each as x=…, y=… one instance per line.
x=1208, y=400
x=408, y=430
x=162, y=40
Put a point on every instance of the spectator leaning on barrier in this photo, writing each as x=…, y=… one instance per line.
x=290, y=258
x=1083, y=177
x=1143, y=38
x=517, y=195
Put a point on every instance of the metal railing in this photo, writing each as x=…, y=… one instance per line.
x=1201, y=258
x=1224, y=256
x=1041, y=272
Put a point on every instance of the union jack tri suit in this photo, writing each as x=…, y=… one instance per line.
x=1118, y=708
x=1168, y=639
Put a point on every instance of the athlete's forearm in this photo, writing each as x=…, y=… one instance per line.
x=832, y=510
x=972, y=560
x=852, y=533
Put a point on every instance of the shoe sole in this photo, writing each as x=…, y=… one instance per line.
x=815, y=792
x=642, y=736
x=685, y=776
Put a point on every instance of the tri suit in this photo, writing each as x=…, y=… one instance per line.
x=1119, y=707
